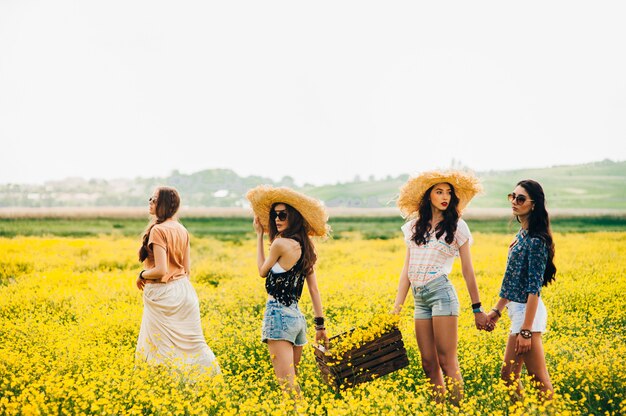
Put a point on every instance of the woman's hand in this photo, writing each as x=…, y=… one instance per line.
x=522, y=345
x=481, y=320
x=140, y=283
x=396, y=310
x=492, y=318
x=320, y=335
x=258, y=228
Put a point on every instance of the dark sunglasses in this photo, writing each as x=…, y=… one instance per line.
x=518, y=199
x=152, y=199
x=282, y=215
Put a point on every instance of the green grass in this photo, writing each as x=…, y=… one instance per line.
x=236, y=229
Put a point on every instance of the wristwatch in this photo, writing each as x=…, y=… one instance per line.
x=525, y=333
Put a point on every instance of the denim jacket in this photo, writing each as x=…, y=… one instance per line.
x=525, y=265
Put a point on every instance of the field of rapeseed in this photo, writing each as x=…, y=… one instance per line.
x=70, y=315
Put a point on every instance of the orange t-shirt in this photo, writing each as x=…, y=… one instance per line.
x=174, y=238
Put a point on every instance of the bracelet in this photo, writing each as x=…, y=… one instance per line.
x=141, y=274
x=318, y=321
x=320, y=328
x=478, y=310
x=525, y=333
x=497, y=311
x=476, y=305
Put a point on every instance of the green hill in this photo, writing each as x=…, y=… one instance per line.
x=599, y=185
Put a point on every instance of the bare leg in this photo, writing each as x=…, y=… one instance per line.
x=297, y=354
x=512, y=367
x=535, y=361
x=446, y=341
x=282, y=354
x=430, y=362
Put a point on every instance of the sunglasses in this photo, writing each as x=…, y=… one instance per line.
x=281, y=215
x=518, y=199
x=152, y=199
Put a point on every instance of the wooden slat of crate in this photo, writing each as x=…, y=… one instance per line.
x=369, y=362
x=373, y=359
x=361, y=360
x=392, y=336
x=381, y=370
x=368, y=354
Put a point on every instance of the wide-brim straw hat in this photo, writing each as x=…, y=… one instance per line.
x=465, y=185
x=312, y=210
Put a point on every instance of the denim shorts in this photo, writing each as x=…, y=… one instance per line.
x=517, y=312
x=436, y=298
x=282, y=322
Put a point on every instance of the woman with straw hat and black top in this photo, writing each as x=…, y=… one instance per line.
x=435, y=235
x=289, y=218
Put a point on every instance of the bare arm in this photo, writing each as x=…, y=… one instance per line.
x=467, y=268
x=494, y=315
x=316, y=300
x=403, y=285
x=531, y=311
x=187, y=260
x=523, y=345
x=277, y=249
x=160, y=264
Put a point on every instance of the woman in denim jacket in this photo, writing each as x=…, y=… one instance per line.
x=529, y=266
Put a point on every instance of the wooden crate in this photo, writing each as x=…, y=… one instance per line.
x=373, y=359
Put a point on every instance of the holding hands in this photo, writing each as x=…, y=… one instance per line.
x=492, y=319
x=482, y=321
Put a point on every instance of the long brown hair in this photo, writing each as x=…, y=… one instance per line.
x=447, y=225
x=167, y=204
x=297, y=230
x=539, y=224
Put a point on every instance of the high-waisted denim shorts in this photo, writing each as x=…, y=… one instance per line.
x=282, y=322
x=436, y=298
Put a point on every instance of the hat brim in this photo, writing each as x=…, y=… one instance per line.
x=465, y=185
x=312, y=210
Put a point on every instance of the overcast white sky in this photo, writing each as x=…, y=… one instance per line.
x=320, y=91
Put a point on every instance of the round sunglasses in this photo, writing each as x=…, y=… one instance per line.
x=518, y=199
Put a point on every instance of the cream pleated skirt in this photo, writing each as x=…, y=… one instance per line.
x=171, y=331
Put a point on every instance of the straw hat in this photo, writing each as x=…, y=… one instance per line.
x=314, y=213
x=465, y=184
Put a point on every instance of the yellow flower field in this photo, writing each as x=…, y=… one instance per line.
x=70, y=315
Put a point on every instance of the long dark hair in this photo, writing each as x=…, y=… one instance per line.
x=297, y=230
x=539, y=224
x=447, y=225
x=167, y=204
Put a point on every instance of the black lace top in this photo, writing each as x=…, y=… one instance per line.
x=286, y=287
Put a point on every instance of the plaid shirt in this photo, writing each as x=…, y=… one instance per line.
x=436, y=257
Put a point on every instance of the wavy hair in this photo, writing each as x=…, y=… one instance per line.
x=296, y=230
x=167, y=204
x=539, y=224
x=447, y=226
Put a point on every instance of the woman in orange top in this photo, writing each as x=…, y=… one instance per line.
x=171, y=330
